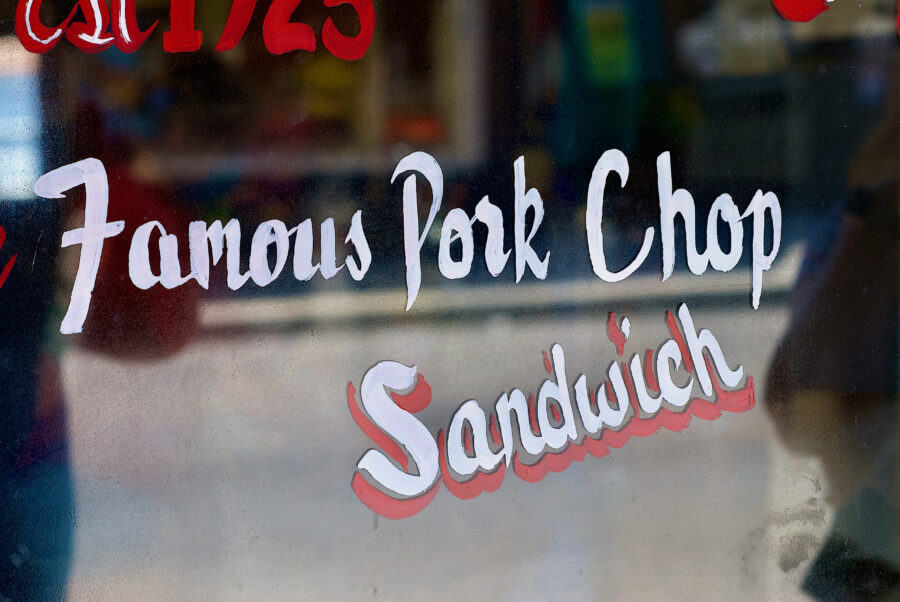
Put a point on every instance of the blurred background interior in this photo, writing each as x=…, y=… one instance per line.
x=197, y=445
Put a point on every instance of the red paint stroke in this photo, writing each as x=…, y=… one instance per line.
x=595, y=447
x=41, y=31
x=532, y=415
x=182, y=36
x=559, y=461
x=615, y=333
x=125, y=12
x=555, y=462
x=280, y=35
x=679, y=339
x=554, y=411
x=495, y=430
x=9, y=264
x=90, y=25
x=387, y=506
x=379, y=437
x=800, y=11
x=350, y=48
x=610, y=394
x=650, y=372
x=417, y=399
x=547, y=365
x=236, y=25
x=481, y=481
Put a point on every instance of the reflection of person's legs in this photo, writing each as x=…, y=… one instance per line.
x=38, y=515
x=832, y=387
x=36, y=532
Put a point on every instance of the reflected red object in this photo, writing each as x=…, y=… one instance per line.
x=416, y=129
x=34, y=35
x=47, y=437
x=803, y=11
x=125, y=321
x=800, y=11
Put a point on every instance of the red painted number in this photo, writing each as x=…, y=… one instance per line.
x=182, y=37
x=280, y=34
x=346, y=47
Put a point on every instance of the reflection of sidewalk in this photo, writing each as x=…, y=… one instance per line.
x=223, y=472
x=456, y=298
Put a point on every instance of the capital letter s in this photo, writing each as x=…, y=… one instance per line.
x=402, y=426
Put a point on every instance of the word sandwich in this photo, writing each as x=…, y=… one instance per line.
x=531, y=434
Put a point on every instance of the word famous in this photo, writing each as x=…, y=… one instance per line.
x=531, y=434
x=98, y=31
x=272, y=239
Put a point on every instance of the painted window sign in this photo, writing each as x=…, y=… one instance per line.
x=104, y=28
x=280, y=34
x=638, y=412
x=208, y=242
x=345, y=299
x=480, y=450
